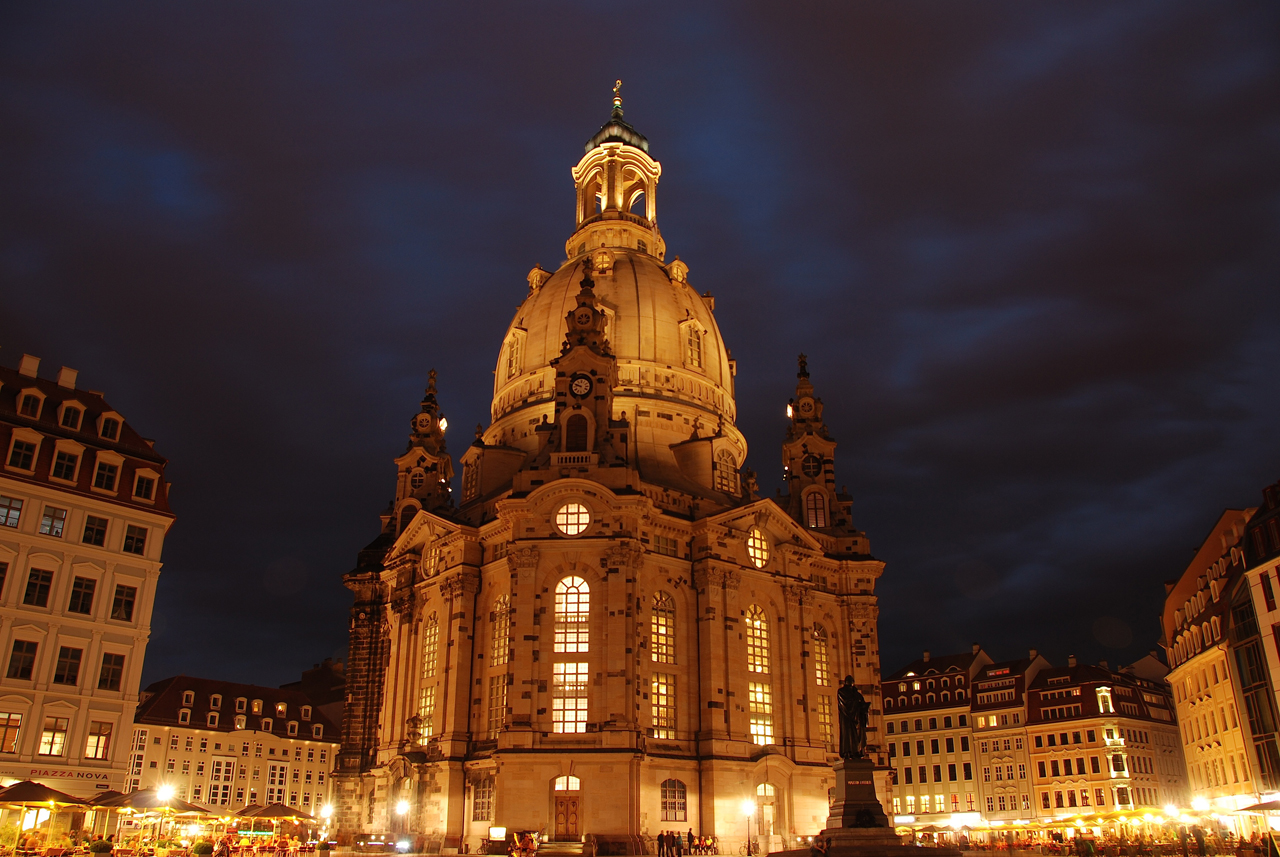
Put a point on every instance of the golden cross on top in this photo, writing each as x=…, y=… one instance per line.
x=617, y=93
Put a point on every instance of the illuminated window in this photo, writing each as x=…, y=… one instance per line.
x=482, y=802
x=573, y=608
x=757, y=547
x=572, y=519
x=675, y=801
x=760, y=709
x=821, y=663
x=815, y=509
x=757, y=640
x=9, y=726
x=427, y=709
x=693, y=346
x=726, y=472
x=568, y=784
x=98, y=744
x=430, y=645
x=569, y=698
x=825, y=731
x=53, y=738
x=513, y=357
x=500, y=632
x=662, y=628
x=663, y=696
x=497, y=704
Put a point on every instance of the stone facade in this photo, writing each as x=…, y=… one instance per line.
x=611, y=634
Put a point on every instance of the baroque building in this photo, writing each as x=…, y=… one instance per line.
x=610, y=633
x=84, y=509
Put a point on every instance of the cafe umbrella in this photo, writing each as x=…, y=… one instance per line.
x=31, y=795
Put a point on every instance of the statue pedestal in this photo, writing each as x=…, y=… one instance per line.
x=856, y=813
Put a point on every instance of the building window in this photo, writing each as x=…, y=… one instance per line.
x=662, y=626
x=663, y=696
x=241, y=722
x=105, y=478
x=726, y=472
x=430, y=646
x=569, y=697
x=317, y=731
x=71, y=418
x=10, y=723
x=497, y=705
x=815, y=509
x=110, y=428
x=572, y=519
x=64, y=466
x=95, y=531
x=760, y=709
x=82, y=589
x=513, y=360
x=188, y=697
x=211, y=720
x=10, y=511
x=666, y=546
x=575, y=433
x=30, y=406
x=693, y=346
x=305, y=712
x=291, y=728
x=500, y=632
x=821, y=662
x=112, y=672
x=53, y=738
x=573, y=606
x=482, y=801
x=427, y=710
x=241, y=704
x=825, y=732
x=122, y=604
x=135, y=539
x=267, y=724
x=757, y=547
x=568, y=784
x=53, y=522
x=675, y=802
x=215, y=701
x=67, y=670
x=757, y=640
x=23, y=455
x=37, y=592
x=98, y=745
x=184, y=716
x=22, y=659
x=144, y=488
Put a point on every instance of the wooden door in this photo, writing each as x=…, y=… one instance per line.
x=566, y=818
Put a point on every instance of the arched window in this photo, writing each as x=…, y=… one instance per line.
x=568, y=784
x=430, y=645
x=815, y=509
x=573, y=608
x=675, y=801
x=726, y=472
x=575, y=434
x=500, y=632
x=757, y=640
x=757, y=547
x=821, y=660
x=513, y=357
x=693, y=346
x=662, y=627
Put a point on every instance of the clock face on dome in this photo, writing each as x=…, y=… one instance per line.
x=805, y=407
x=580, y=385
x=583, y=317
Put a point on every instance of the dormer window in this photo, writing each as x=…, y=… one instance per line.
x=317, y=731
x=144, y=485
x=241, y=703
x=106, y=474
x=292, y=728
x=71, y=417
x=281, y=709
x=22, y=454
x=240, y=722
x=215, y=701
x=212, y=719
x=256, y=706
x=109, y=427
x=30, y=406
x=188, y=697
x=266, y=724
x=305, y=712
x=184, y=716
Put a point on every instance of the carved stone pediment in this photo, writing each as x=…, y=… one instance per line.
x=624, y=554
x=523, y=557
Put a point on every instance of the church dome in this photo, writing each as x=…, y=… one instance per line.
x=675, y=375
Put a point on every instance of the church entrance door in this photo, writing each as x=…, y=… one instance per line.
x=567, y=818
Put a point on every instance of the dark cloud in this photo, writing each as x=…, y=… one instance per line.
x=1031, y=250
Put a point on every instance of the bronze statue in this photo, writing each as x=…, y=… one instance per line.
x=853, y=708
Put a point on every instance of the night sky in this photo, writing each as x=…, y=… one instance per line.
x=1031, y=249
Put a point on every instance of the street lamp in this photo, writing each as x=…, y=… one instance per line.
x=748, y=810
x=326, y=811
x=165, y=792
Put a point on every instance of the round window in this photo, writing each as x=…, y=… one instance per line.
x=811, y=465
x=757, y=547
x=572, y=519
x=417, y=479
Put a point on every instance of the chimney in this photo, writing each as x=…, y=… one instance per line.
x=29, y=366
x=67, y=377
x=1104, y=665
x=1071, y=660
x=1034, y=654
x=976, y=648
x=926, y=656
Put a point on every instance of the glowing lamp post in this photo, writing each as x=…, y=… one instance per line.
x=748, y=810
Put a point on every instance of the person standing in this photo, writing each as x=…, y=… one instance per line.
x=662, y=843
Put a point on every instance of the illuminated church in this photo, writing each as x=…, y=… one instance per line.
x=609, y=633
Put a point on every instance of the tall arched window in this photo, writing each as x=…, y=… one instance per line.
x=430, y=645
x=500, y=632
x=662, y=627
x=815, y=509
x=726, y=472
x=575, y=434
x=675, y=801
x=821, y=657
x=757, y=640
x=513, y=357
x=693, y=346
x=573, y=608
